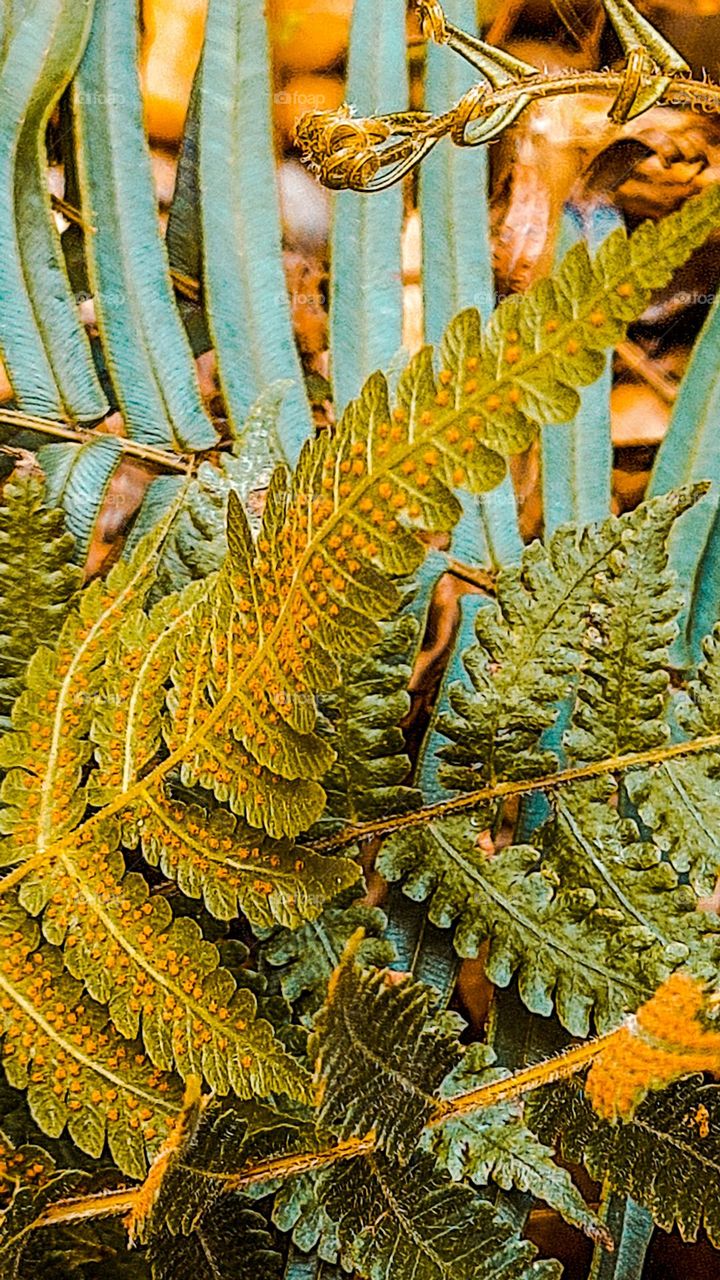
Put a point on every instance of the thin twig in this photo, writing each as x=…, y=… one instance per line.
x=524, y=786
x=281, y=1167
x=640, y=363
x=161, y=458
x=185, y=285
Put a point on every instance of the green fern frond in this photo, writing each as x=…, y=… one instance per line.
x=678, y=801
x=381, y=1052
x=623, y=688
x=369, y=777
x=78, y=1072
x=531, y=646
x=667, y=1157
x=298, y=1211
x=55, y=1254
x=158, y=977
x=594, y=919
x=309, y=1267
x=37, y=579
x=189, y=1209
x=495, y=1145
x=236, y=869
x=414, y=1220
x=228, y=1242
x=304, y=959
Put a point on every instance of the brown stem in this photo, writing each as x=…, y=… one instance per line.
x=638, y=362
x=489, y=1095
x=64, y=431
x=501, y=790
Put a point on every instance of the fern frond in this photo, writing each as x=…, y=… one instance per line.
x=247, y=307
x=196, y=544
x=145, y=347
x=237, y=869
x=396, y=1220
x=25, y=1166
x=495, y=1145
x=212, y=1144
x=37, y=579
x=228, y=1242
x=622, y=692
x=43, y=343
x=187, y=1209
x=48, y=749
x=78, y=478
x=369, y=776
x=26, y=1253
x=78, y=1072
x=531, y=646
x=306, y=958
x=297, y=1210
x=158, y=977
x=595, y=920
x=667, y=1157
x=678, y=801
x=381, y=1051
x=566, y=952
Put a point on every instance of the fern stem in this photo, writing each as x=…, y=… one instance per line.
x=62, y=431
x=520, y=787
x=287, y=1166
x=384, y=826
x=698, y=95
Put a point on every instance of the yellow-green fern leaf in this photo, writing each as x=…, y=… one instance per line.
x=78, y=1072
x=237, y=869
x=264, y=640
x=159, y=977
x=48, y=749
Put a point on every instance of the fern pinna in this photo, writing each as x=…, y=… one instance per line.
x=168, y=777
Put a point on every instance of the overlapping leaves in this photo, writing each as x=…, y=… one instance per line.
x=591, y=916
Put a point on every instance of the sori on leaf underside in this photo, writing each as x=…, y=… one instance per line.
x=183, y=730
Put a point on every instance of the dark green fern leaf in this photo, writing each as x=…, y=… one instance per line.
x=228, y=1242
x=54, y=1254
x=414, y=1220
x=667, y=1157
x=381, y=1051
